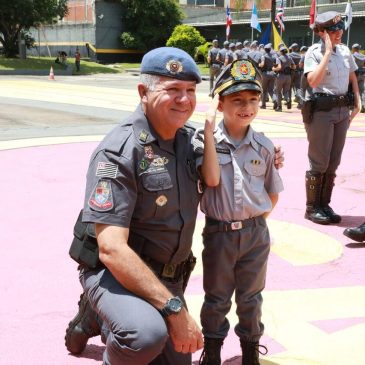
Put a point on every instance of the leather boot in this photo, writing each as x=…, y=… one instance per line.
x=357, y=234
x=313, y=186
x=327, y=187
x=211, y=354
x=251, y=351
x=84, y=326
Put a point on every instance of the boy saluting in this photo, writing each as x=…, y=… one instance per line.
x=241, y=189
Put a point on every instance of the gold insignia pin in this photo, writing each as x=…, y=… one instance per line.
x=161, y=200
x=143, y=136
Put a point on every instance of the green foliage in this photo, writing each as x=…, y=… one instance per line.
x=201, y=52
x=149, y=22
x=186, y=37
x=17, y=16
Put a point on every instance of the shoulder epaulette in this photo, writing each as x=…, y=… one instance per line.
x=261, y=139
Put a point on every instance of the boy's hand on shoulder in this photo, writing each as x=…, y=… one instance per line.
x=211, y=115
x=279, y=157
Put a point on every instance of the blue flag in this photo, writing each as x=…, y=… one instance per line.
x=254, y=18
x=265, y=38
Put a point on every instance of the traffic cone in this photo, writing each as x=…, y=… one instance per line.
x=51, y=74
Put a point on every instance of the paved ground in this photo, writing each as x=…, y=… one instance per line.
x=314, y=302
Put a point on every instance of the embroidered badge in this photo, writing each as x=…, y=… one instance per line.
x=107, y=169
x=143, y=136
x=159, y=161
x=143, y=164
x=174, y=67
x=148, y=151
x=243, y=71
x=101, y=198
x=161, y=200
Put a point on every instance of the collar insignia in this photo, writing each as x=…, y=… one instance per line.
x=143, y=136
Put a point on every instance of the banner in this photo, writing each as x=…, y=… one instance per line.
x=280, y=16
x=348, y=14
x=312, y=13
x=277, y=38
x=265, y=38
x=255, y=19
x=228, y=22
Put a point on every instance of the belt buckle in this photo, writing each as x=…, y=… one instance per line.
x=236, y=225
x=169, y=270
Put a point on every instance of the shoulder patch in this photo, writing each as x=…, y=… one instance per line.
x=261, y=139
x=101, y=198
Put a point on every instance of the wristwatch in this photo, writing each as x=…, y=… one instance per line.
x=172, y=306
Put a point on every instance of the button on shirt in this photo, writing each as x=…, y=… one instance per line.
x=341, y=63
x=248, y=174
x=138, y=181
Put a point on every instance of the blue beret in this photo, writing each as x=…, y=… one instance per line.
x=170, y=62
x=238, y=75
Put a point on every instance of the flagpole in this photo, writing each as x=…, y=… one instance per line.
x=348, y=35
x=251, y=35
x=315, y=16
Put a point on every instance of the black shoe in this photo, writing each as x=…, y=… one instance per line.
x=211, y=354
x=251, y=351
x=317, y=215
x=84, y=326
x=357, y=234
x=334, y=217
x=275, y=105
x=263, y=106
x=288, y=105
x=279, y=109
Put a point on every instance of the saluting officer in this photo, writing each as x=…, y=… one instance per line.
x=329, y=68
x=360, y=72
x=214, y=66
x=268, y=76
x=283, y=67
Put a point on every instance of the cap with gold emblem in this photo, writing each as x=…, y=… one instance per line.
x=237, y=76
x=330, y=21
x=171, y=62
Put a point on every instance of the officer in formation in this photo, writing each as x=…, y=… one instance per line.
x=214, y=66
x=266, y=64
x=230, y=54
x=283, y=68
x=137, y=186
x=297, y=72
x=254, y=54
x=360, y=72
x=246, y=46
x=238, y=53
x=222, y=53
x=329, y=68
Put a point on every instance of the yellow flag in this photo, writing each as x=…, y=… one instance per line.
x=277, y=38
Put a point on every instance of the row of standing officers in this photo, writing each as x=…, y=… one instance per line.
x=282, y=71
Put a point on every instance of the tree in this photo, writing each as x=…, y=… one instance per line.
x=187, y=38
x=17, y=16
x=149, y=23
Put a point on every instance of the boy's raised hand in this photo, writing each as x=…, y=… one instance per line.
x=211, y=115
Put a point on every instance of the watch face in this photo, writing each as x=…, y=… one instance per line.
x=175, y=305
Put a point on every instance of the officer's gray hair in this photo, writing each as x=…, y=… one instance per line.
x=150, y=81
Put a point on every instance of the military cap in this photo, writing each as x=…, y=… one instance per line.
x=225, y=43
x=294, y=45
x=238, y=44
x=232, y=45
x=215, y=41
x=170, y=62
x=330, y=20
x=246, y=43
x=268, y=46
x=303, y=48
x=356, y=45
x=282, y=48
x=261, y=45
x=254, y=43
x=238, y=75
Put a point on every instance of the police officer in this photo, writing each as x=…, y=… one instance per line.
x=230, y=54
x=329, y=68
x=214, y=66
x=268, y=76
x=238, y=52
x=297, y=73
x=246, y=47
x=284, y=66
x=360, y=72
x=222, y=53
x=254, y=54
x=142, y=195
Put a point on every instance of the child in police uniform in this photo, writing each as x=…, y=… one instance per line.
x=241, y=188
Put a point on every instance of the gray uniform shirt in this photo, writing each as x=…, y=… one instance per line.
x=248, y=174
x=138, y=181
x=341, y=63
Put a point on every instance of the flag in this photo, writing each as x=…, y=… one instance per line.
x=280, y=15
x=254, y=18
x=228, y=22
x=277, y=38
x=348, y=14
x=265, y=38
x=312, y=13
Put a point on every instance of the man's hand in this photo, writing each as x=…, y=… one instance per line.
x=279, y=157
x=184, y=332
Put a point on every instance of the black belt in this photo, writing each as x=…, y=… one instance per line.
x=331, y=100
x=168, y=272
x=213, y=225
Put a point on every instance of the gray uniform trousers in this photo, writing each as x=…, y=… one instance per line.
x=133, y=330
x=268, y=84
x=235, y=261
x=214, y=71
x=282, y=88
x=326, y=136
x=361, y=83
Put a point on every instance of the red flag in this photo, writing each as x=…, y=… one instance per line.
x=312, y=12
x=229, y=22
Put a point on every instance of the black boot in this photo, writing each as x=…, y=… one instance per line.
x=327, y=187
x=251, y=351
x=357, y=234
x=211, y=354
x=84, y=326
x=313, y=186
